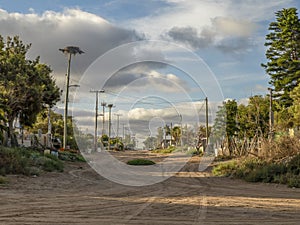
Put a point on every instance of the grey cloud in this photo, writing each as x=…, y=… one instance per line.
x=190, y=36
x=226, y=34
x=50, y=31
x=235, y=45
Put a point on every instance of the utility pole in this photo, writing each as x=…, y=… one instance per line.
x=49, y=135
x=206, y=119
x=123, y=131
x=118, y=123
x=271, y=116
x=109, y=123
x=96, y=118
x=70, y=50
x=181, y=133
x=103, y=104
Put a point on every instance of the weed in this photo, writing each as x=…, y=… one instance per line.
x=140, y=162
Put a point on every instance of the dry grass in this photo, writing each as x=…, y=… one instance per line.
x=279, y=149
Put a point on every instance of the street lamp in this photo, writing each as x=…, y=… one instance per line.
x=70, y=50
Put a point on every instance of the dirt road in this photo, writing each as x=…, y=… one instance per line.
x=81, y=196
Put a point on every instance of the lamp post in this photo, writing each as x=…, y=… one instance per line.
x=70, y=50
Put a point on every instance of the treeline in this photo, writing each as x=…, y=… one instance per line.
x=244, y=127
x=26, y=88
x=267, y=128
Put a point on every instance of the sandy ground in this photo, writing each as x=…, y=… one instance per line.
x=81, y=196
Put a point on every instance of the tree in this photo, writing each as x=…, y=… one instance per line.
x=254, y=117
x=225, y=125
x=159, y=136
x=283, y=65
x=150, y=142
x=176, y=133
x=25, y=85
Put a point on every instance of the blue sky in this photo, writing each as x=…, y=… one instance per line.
x=236, y=64
x=226, y=35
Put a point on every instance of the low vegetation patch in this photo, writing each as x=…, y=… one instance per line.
x=3, y=180
x=168, y=150
x=27, y=161
x=140, y=162
x=258, y=170
x=70, y=156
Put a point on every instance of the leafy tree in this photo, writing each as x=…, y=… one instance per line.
x=25, y=85
x=254, y=117
x=225, y=125
x=176, y=133
x=150, y=142
x=160, y=135
x=283, y=65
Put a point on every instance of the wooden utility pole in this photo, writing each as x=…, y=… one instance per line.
x=206, y=119
x=96, y=118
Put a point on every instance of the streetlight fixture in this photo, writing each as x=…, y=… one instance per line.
x=70, y=50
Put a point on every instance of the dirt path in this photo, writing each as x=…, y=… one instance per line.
x=81, y=196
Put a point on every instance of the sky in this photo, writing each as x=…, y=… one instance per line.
x=157, y=60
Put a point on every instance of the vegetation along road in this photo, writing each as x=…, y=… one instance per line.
x=80, y=196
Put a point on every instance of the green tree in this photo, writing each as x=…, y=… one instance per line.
x=159, y=136
x=150, y=142
x=225, y=126
x=57, y=126
x=283, y=43
x=176, y=133
x=253, y=118
x=25, y=85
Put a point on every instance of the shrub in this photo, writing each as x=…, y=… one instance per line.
x=3, y=180
x=280, y=148
x=225, y=169
x=69, y=156
x=26, y=161
x=49, y=163
x=168, y=150
x=140, y=162
x=258, y=170
x=13, y=160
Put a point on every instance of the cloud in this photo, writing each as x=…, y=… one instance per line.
x=190, y=36
x=73, y=27
x=142, y=77
x=226, y=34
x=230, y=26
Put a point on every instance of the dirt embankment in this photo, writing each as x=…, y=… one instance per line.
x=81, y=196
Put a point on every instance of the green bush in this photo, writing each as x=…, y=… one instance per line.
x=3, y=180
x=225, y=169
x=140, y=162
x=168, y=150
x=26, y=161
x=49, y=163
x=13, y=161
x=69, y=156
